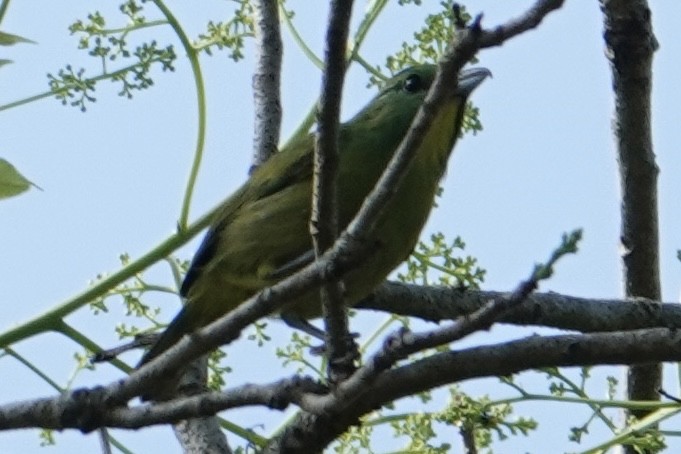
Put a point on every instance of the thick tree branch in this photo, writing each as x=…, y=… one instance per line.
x=550, y=309
x=326, y=417
x=81, y=409
x=84, y=410
x=630, y=46
x=631, y=347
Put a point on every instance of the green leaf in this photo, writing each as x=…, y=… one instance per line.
x=4, y=62
x=11, y=181
x=8, y=39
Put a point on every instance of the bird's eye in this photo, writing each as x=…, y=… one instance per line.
x=412, y=83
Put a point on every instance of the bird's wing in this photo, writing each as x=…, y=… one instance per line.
x=203, y=255
x=281, y=171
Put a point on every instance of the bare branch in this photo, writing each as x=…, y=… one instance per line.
x=488, y=314
x=630, y=46
x=551, y=309
x=531, y=19
x=631, y=347
x=324, y=220
x=83, y=410
x=198, y=435
x=267, y=81
x=201, y=436
x=326, y=417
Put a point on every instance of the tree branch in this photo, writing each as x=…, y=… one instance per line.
x=82, y=410
x=550, y=309
x=199, y=435
x=527, y=21
x=326, y=417
x=630, y=46
x=324, y=220
x=267, y=81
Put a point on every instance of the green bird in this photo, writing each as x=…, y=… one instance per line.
x=260, y=234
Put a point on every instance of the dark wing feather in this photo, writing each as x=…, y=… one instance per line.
x=203, y=255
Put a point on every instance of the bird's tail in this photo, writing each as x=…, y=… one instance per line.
x=177, y=328
x=166, y=387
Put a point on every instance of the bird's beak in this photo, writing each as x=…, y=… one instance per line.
x=469, y=79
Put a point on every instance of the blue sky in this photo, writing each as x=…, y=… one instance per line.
x=113, y=177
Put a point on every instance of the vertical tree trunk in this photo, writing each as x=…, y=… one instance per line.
x=630, y=45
